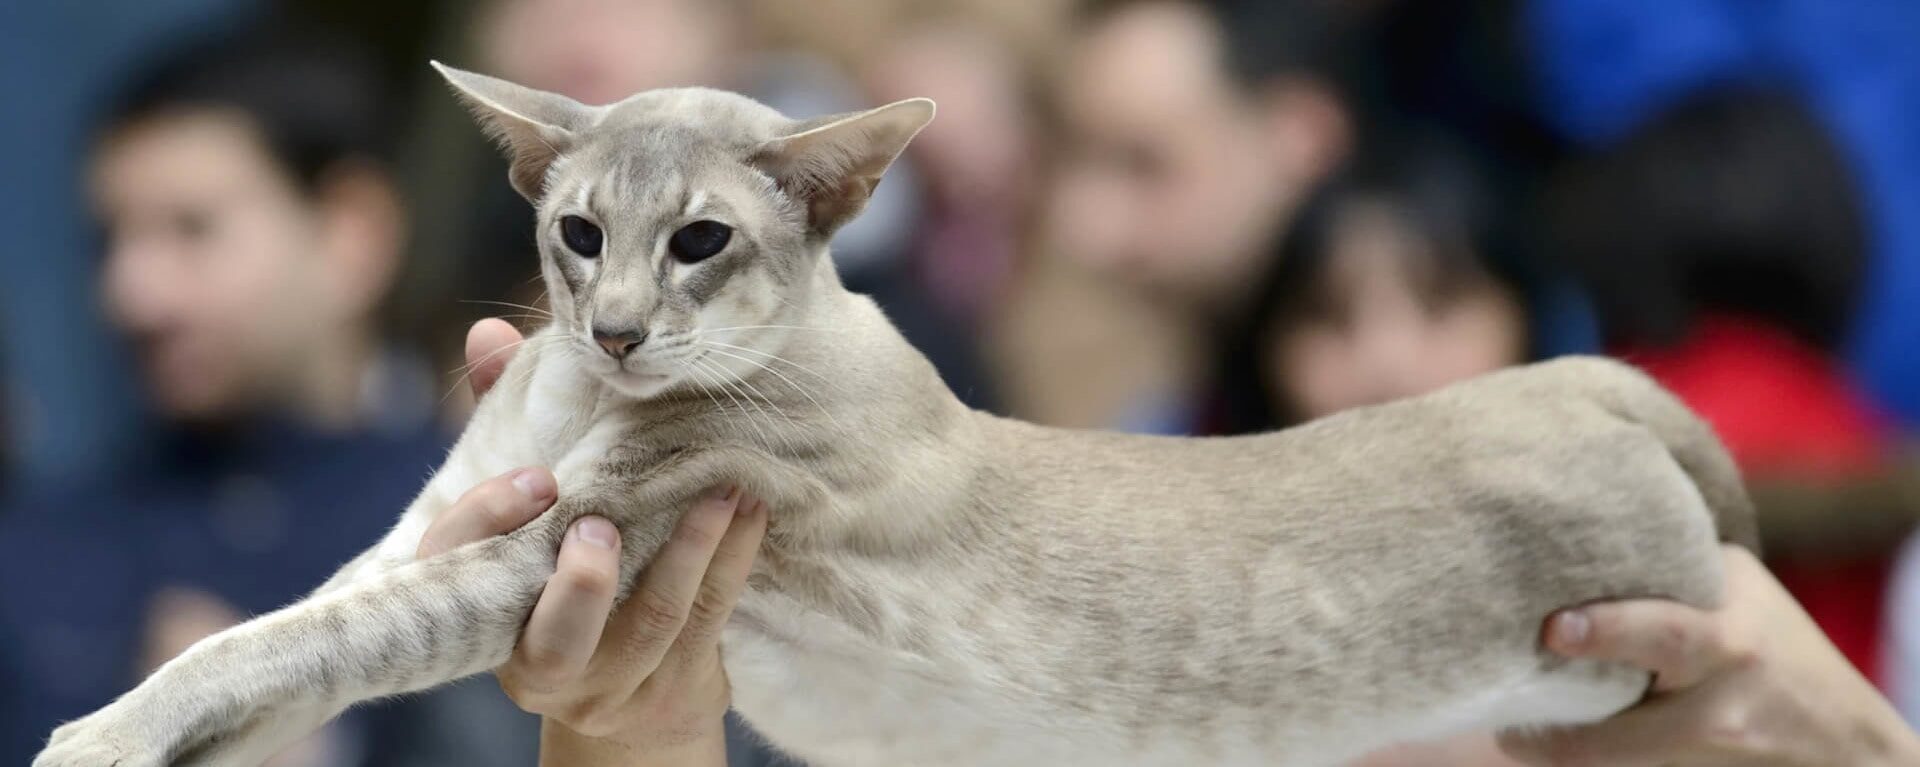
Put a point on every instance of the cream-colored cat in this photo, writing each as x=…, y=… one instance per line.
x=944, y=587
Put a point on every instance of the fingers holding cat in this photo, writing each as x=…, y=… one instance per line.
x=646, y=678
x=494, y=507
x=1755, y=682
x=490, y=345
x=648, y=675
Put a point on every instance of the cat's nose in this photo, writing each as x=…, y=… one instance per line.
x=619, y=343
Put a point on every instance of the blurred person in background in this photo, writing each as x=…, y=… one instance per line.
x=1603, y=69
x=252, y=231
x=1191, y=131
x=1725, y=243
x=601, y=51
x=976, y=161
x=1400, y=275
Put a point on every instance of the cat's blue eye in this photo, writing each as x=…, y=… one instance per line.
x=699, y=241
x=581, y=236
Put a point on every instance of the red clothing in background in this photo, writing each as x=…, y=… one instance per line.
x=1787, y=411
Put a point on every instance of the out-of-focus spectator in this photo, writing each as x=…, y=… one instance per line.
x=1605, y=68
x=1191, y=133
x=1399, y=276
x=1183, y=159
x=252, y=232
x=1725, y=242
x=976, y=162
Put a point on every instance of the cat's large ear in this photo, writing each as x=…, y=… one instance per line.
x=533, y=126
x=832, y=164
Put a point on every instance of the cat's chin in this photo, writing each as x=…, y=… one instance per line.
x=637, y=385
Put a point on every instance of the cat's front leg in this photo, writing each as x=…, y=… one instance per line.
x=402, y=630
x=156, y=724
x=117, y=737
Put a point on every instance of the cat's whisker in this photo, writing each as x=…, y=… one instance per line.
x=790, y=382
x=747, y=415
x=704, y=382
x=777, y=358
x=558, y=345
x=735, y=384
x=710, y=331
x=770, y=403
x=488, y=356
x=465, y=372
x=760, y=405
x=510, y=305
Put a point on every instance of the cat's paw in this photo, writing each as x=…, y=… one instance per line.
x=100, y=741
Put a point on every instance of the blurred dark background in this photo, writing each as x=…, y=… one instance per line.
x=244, y=239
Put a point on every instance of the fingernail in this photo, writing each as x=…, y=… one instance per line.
x=721, y=493
x=1572, y=628
x=596, y=531
x=535, y=484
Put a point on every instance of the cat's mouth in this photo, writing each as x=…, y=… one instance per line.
x=645, y=373
x=637, y=384
x=637, y=376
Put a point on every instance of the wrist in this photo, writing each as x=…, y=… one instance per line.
x=707, y=750
x=561, y=746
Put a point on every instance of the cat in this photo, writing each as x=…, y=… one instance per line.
x=941, y=586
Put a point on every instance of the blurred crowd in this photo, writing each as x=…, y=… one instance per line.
x=247, y=237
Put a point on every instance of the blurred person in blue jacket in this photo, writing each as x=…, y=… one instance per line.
x=251, y=234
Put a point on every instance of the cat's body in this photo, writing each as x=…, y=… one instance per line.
x=1295, y=598
x=944, y=587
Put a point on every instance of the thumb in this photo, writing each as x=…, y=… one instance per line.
x=490, y=345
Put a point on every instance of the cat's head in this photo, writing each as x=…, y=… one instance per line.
x=680, y=225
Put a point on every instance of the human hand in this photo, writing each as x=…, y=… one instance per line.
x=645, y=683
x=1754, y=683
x=490, y=345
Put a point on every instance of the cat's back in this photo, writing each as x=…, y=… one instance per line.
x=1527, y=433
x=1527, y=485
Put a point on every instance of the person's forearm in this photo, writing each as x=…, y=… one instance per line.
x=562, y=747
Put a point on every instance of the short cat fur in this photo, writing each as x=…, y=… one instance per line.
x=940, y=586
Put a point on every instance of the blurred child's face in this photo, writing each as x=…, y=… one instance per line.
x=602, y=51
x=1379, y=337
x=1171, y=178
x=211, y=266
